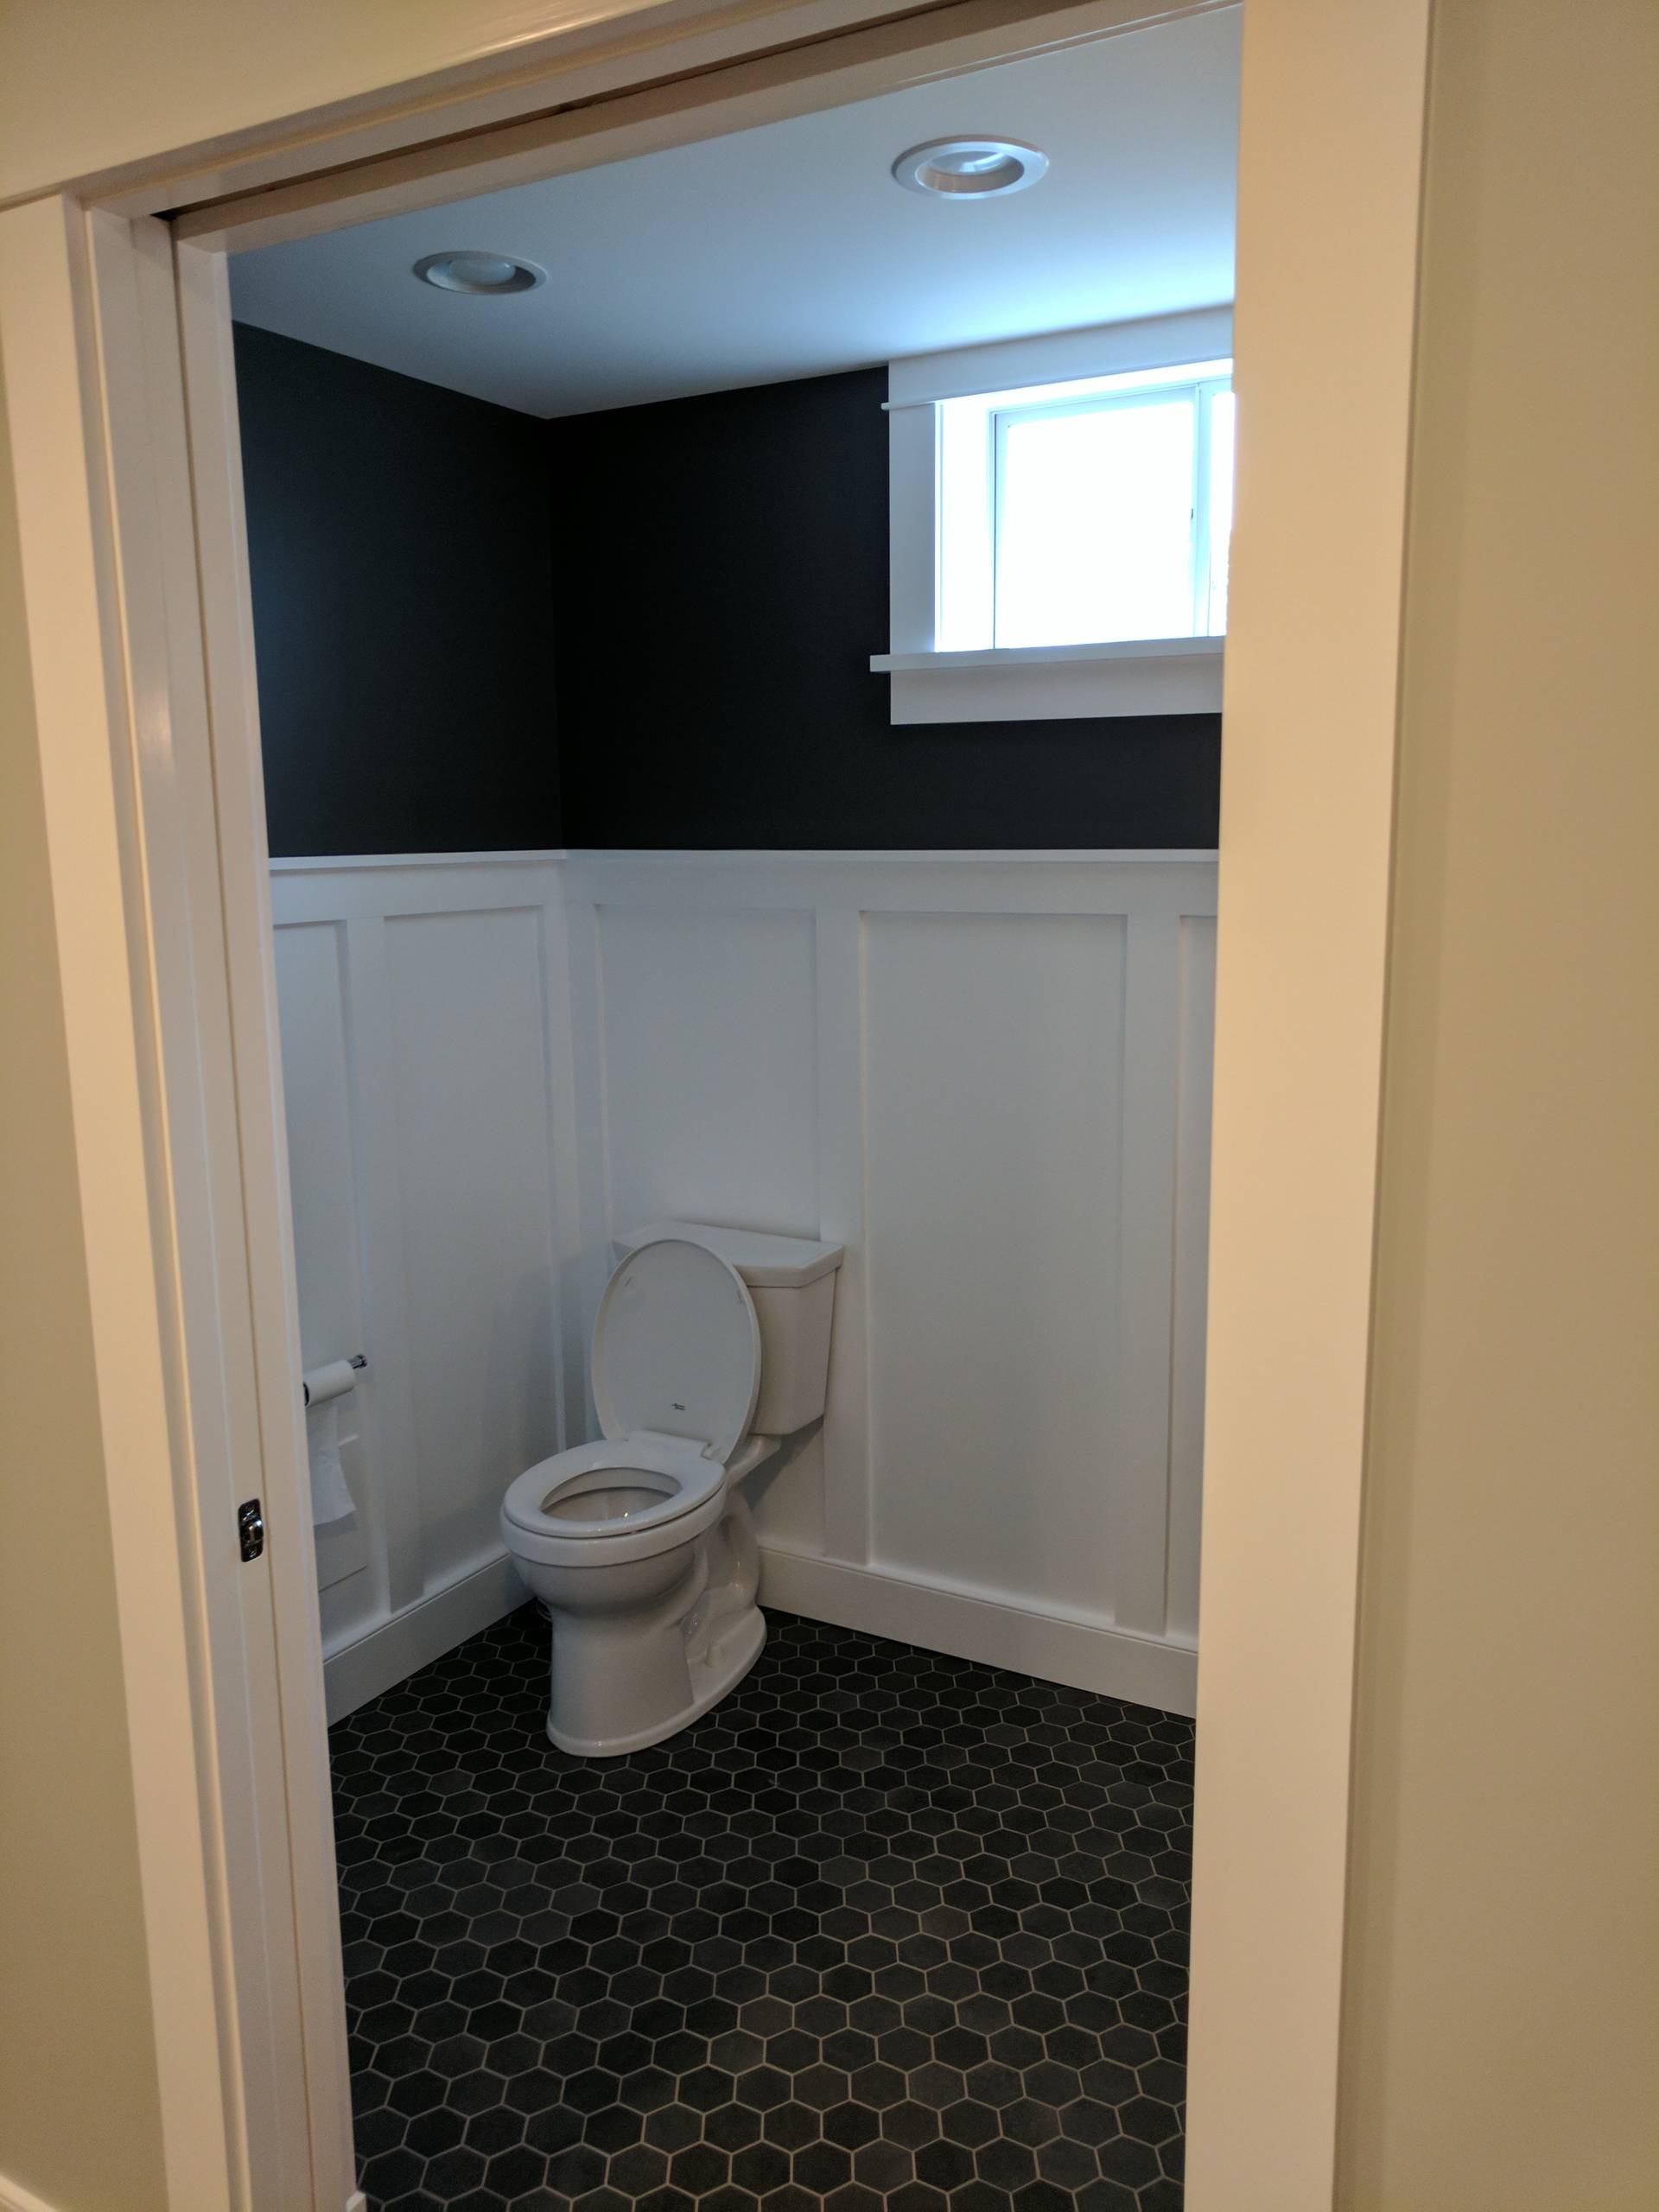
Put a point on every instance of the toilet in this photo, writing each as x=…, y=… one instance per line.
x=710, y=1346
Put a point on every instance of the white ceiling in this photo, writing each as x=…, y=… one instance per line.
x=789, y=251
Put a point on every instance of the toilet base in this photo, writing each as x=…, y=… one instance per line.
x=737, y=1643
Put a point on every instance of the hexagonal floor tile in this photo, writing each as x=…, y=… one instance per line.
x=884, y=1932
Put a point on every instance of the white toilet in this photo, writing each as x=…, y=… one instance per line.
x=710, y=1346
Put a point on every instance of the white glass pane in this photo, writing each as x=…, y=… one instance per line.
x=1095, y=525
x=1221, y=505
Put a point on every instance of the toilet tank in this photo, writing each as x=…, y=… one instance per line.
x=793, y=1283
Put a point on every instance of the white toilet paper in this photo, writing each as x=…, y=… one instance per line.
x=330, y=1498
x=332, y=1381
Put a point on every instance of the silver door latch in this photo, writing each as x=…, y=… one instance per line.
x=251, y=1529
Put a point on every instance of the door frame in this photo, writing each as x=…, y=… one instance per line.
x=121, y=403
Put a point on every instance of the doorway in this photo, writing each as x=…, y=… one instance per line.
x=236, y=887
x=619, y=887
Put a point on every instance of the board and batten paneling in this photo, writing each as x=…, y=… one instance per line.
x=988, y=1076
x=427, y=1064
x=994, y=1079
x=327, y=1230
x=467, y=995
x=710, y=1066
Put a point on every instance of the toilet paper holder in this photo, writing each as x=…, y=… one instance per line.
x=358, y=1360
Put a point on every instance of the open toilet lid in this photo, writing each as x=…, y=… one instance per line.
x=677, y=1348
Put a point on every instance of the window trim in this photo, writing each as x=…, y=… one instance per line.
x=1134, y=677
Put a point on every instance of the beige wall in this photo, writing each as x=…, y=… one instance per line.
x=1501, y=2044
x=88, y=85
x=79, y=2115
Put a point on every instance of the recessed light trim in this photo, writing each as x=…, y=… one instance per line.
x=970, y=168
x=485, y=274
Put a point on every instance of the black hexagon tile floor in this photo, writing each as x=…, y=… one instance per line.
x=885, y=1931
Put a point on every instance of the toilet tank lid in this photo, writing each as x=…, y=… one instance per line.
x=765, y=1262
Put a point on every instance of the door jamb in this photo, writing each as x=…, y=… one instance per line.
x=1328, y=256
x=117, y=681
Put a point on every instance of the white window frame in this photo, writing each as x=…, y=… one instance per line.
x=932, y=677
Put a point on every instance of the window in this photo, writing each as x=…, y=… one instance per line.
x=1086, y=513
x=1073, y=527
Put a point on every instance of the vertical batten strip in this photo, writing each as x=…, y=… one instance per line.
x=1197, y=1056
x=382, y=1258
x=839, y=1021
x=564, y=1156
x=593, y=1265
x=1151, y=1077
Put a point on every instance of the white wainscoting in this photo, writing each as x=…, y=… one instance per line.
x=427, y=1067
x=987, y=1075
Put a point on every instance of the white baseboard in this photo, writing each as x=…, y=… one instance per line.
x=357, y=2202
x=14, y=2197
x=410, y=1640
x=1137, y=1669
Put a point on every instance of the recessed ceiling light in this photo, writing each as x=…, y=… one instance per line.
x=479, y=272
x=970, y=168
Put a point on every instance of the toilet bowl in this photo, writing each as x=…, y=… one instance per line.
x=640, y=1545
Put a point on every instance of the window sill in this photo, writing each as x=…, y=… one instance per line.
x=1139, y=676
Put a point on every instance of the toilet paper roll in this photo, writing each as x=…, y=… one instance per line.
x=330, y=1498
x=332, y=1381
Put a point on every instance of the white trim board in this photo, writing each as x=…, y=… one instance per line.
x=741, y=856
x=399, y=1648
x=1141, y=1669
x=1130, y=649
x=1170, y=676
x=1163, y=341
x=330, y=863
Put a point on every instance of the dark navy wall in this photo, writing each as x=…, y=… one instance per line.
x=717, y=568
x=720, y=577
x=399, y=544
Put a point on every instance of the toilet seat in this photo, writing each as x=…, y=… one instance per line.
x=546, y=1504
x=677, y=1348
x=676, y=1373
